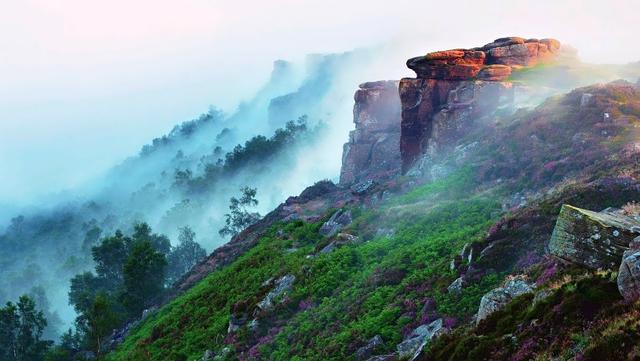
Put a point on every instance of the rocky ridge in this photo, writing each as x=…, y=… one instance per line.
x=456, y=88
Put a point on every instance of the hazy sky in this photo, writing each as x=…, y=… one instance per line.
x=85, y=83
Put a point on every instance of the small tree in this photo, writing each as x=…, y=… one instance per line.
x=240, y=217
x=101, y=320
x=144, y=274
x=184, y=256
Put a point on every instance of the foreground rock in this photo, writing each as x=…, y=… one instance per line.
x=629, y=275
x=497, y=298
x=595, y=240
x=373, y=150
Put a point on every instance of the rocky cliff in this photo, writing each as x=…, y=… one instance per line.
x=456, y=88
x=373, y=150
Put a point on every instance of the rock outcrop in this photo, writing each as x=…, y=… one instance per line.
x=497, y=298
x=592, y=239
x=629, y=275
x=338, y=220
x=367, y=350
x=279, y=292
x=454, y=88
x=373, y=150
x=412, y=346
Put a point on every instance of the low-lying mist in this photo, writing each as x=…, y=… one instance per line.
x=285, y=138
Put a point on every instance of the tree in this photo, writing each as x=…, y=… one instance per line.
x=240, y=217
x=100, y=320
x=144, y=274
x=9, y=324
x=160, y=242
x=184, y=256
x=21, y=327
x=110, y=257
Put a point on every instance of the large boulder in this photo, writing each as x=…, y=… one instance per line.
x=629, y=275
x=596, y=240
x=497, y=298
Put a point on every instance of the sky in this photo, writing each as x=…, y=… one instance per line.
x=84, y=83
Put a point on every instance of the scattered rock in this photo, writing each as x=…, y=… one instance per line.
x=497, y=298
x=363, y=187
x=629, y=275
x=592, y=239
x=467, y=253
x=282, y=286
x=341, y=239
x=236, y=321
x=456, y=286
x=338, y=220
x=412, y=346
x=367, y=350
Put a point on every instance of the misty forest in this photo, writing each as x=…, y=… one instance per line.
x=431, y=195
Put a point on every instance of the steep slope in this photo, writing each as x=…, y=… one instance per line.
x=383, y=265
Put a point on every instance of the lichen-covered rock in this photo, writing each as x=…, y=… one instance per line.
x=338, y=220
x=629, y=275
x=497, y=298
x=592, y=239
x=412, y=346
x=367, y=350
x=282, y=286
x=373, y=150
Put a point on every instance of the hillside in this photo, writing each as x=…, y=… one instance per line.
x=464, y=228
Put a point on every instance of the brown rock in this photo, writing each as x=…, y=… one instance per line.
x=373, y=150
x=495, y=72
x=456, y=64
x=504, y=42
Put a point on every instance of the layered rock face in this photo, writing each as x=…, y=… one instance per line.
x=456, y=87
x=373, y=150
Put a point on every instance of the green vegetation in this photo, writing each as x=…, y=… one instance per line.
x=340, y=299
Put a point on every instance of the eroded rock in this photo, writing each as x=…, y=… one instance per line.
x=373, y=150
x=592, y=239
